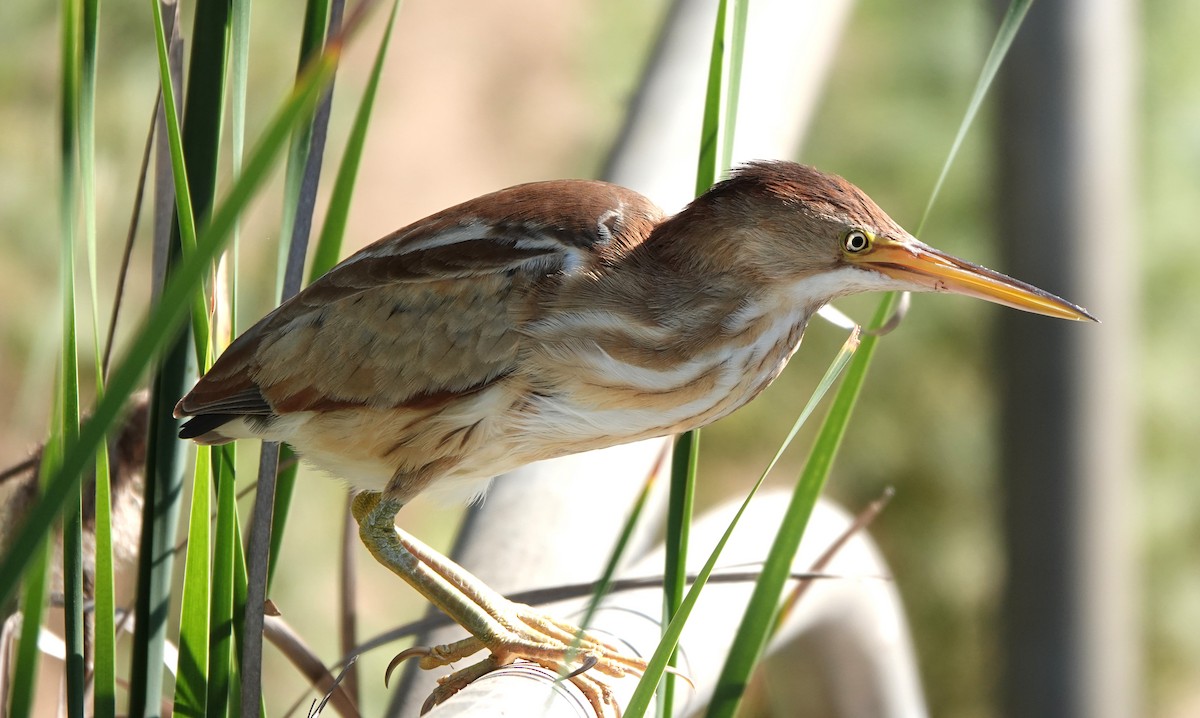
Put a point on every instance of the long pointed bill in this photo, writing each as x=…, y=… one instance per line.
x=933, y=270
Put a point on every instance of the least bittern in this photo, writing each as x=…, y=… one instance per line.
x=548, y=319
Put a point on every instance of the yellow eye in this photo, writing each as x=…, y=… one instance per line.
x=856, y=241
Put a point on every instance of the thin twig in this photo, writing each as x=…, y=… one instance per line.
x=541, y=596
x=348, y=633
x=862, y=521
x=134, y=218
x=306, y=202
x=256, y=582
x=21, y=467
x=258, y=553
x=292, y=646
x=336, y=682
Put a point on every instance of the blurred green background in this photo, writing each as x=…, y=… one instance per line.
x=480, y=97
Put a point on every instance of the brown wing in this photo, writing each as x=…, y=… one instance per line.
x=422, y=316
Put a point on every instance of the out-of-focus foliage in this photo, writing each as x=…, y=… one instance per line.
x=1169, y=384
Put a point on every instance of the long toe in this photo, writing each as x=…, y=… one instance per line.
x=529, y=635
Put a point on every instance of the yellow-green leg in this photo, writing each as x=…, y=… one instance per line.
x=508, y=630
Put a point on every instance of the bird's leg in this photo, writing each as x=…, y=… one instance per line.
x=512, y=615
x=508, y=630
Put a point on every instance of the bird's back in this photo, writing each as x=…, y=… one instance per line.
x=405, y=356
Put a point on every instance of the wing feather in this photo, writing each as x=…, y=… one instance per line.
x=428, y=314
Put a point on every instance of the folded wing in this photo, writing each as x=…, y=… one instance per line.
x=423, y=316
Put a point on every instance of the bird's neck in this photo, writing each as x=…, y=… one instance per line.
x=664, y=301
x=690, y=307
x=695, y=247
x=657, y=349
x=688, y=275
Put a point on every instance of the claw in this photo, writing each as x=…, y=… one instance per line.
x=599, y=695
x=401, y=657
x=588, y=662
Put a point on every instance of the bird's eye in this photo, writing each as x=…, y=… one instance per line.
x=856, y=241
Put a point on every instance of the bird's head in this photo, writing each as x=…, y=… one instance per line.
x=797, y=227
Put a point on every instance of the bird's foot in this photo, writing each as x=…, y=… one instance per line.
x=538, y=638
x=509, y=631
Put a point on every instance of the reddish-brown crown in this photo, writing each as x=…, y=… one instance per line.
x=770, y=219
x=769, y=184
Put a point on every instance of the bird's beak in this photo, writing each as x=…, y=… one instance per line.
x=929, y=269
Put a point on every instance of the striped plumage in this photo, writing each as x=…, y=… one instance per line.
x=537, y=321
x=548, y=319
x=557, y=317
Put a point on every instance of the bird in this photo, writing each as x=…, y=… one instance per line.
x=547, y=319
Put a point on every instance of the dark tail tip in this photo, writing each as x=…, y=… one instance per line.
x=201, y=425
